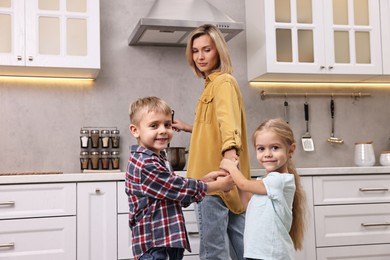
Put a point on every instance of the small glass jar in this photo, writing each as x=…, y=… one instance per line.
x=84, y=160
x=105, y=160
x=115, y=160
x=84, y=138
x=95, y=138
x=115, y=138
x=105, y=138
x=95, y=160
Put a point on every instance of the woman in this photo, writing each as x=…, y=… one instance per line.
x=219, y=131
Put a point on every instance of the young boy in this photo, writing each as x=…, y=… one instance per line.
x=156, y=194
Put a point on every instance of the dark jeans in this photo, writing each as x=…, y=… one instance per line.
x=162, y=253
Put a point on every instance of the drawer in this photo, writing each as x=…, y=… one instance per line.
x=37, y=200
x=374, y=252
x=38, y=238
x=351, y=189
x=352, y=224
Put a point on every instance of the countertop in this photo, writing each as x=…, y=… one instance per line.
x=119, y=176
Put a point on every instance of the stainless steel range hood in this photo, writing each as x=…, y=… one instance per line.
x=170, y=21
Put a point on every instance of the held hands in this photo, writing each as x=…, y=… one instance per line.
x=228, y=165
x=219, y=181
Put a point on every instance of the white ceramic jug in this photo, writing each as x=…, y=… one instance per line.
x=364, y=154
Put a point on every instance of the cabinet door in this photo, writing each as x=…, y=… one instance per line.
x=385, y=32
x=309, y=247
x=124, y=238
x=96, y=221
x=63, y=33
x=38, y=239
x=352, y=37
x=12, y=32
x=372, y=252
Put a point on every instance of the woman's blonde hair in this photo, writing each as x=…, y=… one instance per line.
x=146, y=105
x=283, y=130
x=224, y=65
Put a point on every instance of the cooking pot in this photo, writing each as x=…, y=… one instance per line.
x=176, y=157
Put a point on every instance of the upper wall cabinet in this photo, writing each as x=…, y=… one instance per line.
x=313, y=40
x=54, y=38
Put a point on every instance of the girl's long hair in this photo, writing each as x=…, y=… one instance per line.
x=283, y=130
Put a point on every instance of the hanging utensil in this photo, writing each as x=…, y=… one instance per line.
x=307, y=141
x=332, y=138
x=285, y=110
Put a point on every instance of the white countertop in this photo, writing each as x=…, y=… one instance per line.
x=119, y=176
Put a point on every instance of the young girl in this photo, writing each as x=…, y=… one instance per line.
x=274, y=224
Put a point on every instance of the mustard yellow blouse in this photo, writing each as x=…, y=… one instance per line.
x=220, y=124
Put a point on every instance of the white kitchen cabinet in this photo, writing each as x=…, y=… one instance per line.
x=50, y=38
x=385, y=32
x=38, y=221
x=97, y=221
x=352, y=216
x=309, y=247
x=328, y=40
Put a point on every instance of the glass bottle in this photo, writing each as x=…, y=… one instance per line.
x=105, y=138
x=115, y=160
x=84, y=138
x=95, y=138
x=84, y=160
x=115, y=138
x=95, y=160
x=105, y=159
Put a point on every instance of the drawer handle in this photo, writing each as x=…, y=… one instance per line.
x=193, y=233
x=373, y=189
x=8, y=245
x=375, y=224
x=97, y=190
x=7, y=203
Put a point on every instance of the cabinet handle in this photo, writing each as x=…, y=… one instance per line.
x=7, y=203
x=7, y=245
x=97, y=190
x=373, y=189
x=30, y=58
x=375, y=224
x=330, y=67
x=19, y=57
x=322, y=67
x=193, y=233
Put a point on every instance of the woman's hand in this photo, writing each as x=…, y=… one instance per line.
x=178, y=125
x=212, y=176
x=228, y=165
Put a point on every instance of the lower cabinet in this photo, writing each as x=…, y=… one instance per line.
x=96, y=221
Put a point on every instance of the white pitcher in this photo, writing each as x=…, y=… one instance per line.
x=364, y=154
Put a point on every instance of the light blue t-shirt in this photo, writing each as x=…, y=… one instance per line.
x=268, y=220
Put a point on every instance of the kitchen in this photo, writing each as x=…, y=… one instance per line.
x=40, y=120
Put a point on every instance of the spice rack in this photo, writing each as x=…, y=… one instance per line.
x=99, y=148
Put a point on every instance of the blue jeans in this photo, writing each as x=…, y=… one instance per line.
x=162, y=253
x=221, y=231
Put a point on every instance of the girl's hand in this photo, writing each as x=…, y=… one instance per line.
x=228, y=165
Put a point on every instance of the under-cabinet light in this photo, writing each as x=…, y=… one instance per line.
x=262, y=84
x=45, y=78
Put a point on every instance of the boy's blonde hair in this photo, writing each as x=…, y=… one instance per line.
x=224, y=64
x=146, y=105
x=283, y=130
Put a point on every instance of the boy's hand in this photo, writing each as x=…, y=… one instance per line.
x=212, y=176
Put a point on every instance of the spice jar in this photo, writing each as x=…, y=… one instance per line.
x=105, y=159
x=115, y=160
x=95, y=160
x=105, y=138
x=115, y=138
x=84, y=138
x=95, y=138
x=84, y=160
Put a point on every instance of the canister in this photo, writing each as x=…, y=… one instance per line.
x=364, y=154
x=95, y=138
x=84, y=160
x=115, y=160
x=105, y=138
x=105, y=160
x=115, y=138
x=95, y=160
x=84, y=138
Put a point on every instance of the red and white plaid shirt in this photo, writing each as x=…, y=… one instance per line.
x=156, y=197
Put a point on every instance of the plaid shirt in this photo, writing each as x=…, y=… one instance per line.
x=156, y=195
